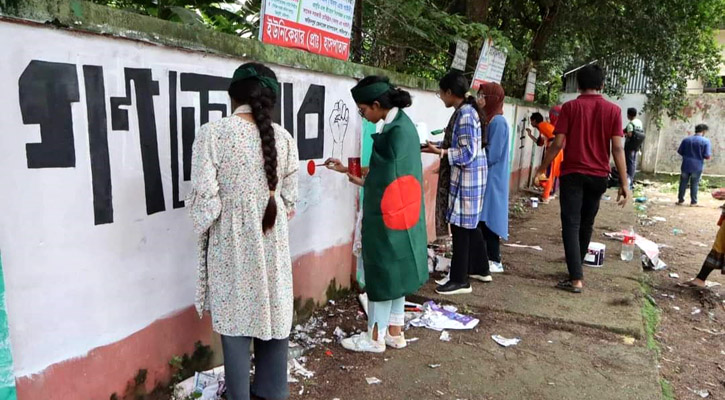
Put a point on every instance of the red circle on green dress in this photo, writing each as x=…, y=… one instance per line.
x=311, y=167
x=401, y=203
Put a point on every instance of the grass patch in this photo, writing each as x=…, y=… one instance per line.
x=651, y=316
x=667, y=392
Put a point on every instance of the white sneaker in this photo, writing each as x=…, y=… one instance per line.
x=396, y=342
x=363, y=343
x=482, y=278
x=495, y=266
x=444, y=280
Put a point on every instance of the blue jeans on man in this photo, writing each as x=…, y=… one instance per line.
x=694, y=180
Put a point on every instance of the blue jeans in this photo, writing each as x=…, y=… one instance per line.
x=694, y=180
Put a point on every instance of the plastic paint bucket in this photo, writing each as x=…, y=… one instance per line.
x=595, y=254
x=534, y=202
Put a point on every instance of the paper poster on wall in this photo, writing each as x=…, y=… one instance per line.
x=318, y=26
x=491, y=64
x=530, y=85
x=459, y=59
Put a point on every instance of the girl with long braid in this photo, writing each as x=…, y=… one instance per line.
x=244, y=190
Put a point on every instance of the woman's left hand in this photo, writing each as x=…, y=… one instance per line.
x=355, y=179
x=430, y=148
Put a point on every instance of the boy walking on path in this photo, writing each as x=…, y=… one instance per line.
x=694, y=151
x=634, y=133
x=590, y=125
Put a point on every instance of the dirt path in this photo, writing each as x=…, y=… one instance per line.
x=692, y=342
x=589, y=346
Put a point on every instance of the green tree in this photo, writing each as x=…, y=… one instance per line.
x=238, y=18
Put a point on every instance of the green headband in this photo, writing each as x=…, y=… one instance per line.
x=370, y=93
x=250, y=72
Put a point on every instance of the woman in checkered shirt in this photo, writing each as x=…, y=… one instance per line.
x=467, y=159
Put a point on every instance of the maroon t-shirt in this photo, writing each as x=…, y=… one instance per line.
x=589, y=123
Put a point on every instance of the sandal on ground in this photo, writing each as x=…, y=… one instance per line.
x=691, y=284
x=568, y=286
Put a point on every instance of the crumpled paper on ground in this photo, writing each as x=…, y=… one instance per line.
x=437, y=318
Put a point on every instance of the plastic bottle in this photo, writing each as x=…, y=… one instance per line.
x=627, y=253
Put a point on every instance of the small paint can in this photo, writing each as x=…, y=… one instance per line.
x=534, y=202
x=354, y=166
x=595, y=255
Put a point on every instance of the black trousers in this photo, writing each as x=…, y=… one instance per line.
x=493, y=243
x=580, y=196
x=270, y=371
x=631, y=158
x=469, y=254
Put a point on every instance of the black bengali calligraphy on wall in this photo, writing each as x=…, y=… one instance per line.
x=48, y=89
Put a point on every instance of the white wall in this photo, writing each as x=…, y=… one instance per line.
x=628, y=100
x=73, y=283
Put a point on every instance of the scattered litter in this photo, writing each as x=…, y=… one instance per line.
x=699, y=244
x=434, y=366
x=659, y=219
x=444, y=280
x=702, y=393
x=207, y=385
x=550, y=341
x=677, y=231
x=332, y=302
x=302, y=391
x=436, y=318
x=412, y=340
x=674, y=275
x=450, y=308
x=373, y=381
x=298, y=369
x=709, y=284
x=606, y=197
x=444, y=264
x=695, y=311
x=439, y=393
x=432, y=260
x=628, y=340
x=504, y=341
x=676, y=308
x=641, y=199
x=650, y=250
x=523, y=246
x=445, y=336
x=339, y=333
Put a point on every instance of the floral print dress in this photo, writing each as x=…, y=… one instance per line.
x=244, y=276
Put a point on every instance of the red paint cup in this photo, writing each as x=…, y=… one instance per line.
x=354, y=166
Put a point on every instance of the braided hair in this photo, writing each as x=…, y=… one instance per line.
x=262, y=100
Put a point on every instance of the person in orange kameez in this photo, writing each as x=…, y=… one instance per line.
x=547, y=136
x=716, y=258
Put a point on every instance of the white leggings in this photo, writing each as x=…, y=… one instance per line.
x=384, y=313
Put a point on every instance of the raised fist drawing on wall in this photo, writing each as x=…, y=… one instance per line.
x=339, y=120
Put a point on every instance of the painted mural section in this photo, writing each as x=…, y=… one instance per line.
x=7, y=377
x=96, y=151
x=703, y=109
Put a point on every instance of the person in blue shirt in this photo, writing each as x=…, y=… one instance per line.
x=495, y=213
x=694, y=151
